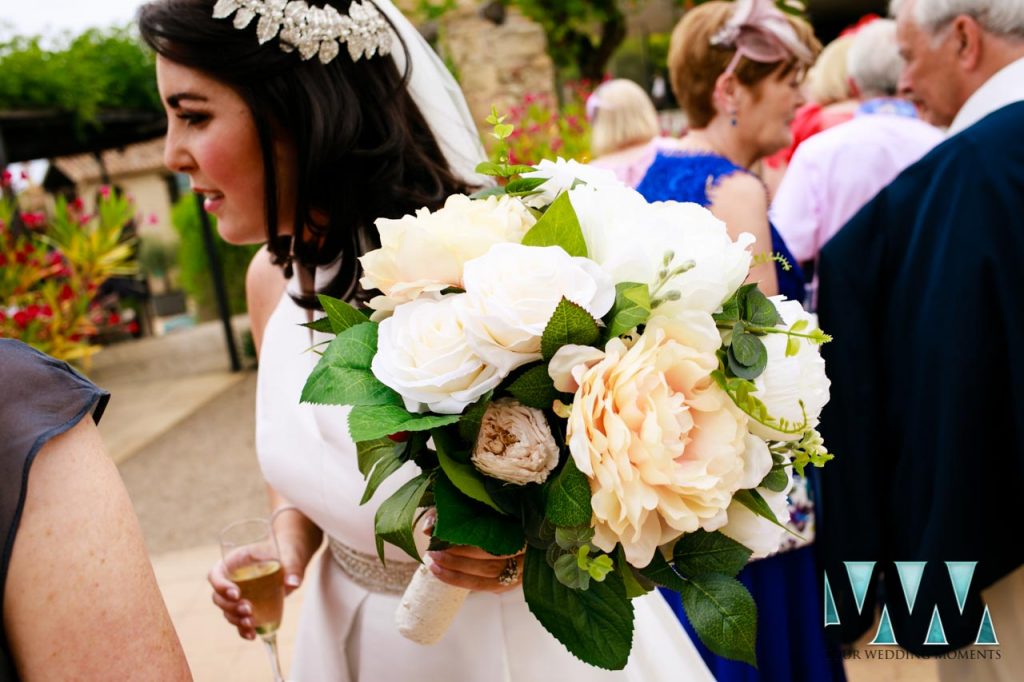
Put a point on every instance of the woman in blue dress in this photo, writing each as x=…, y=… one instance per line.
x=736, y=69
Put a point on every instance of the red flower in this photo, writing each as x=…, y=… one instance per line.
x=5, y=178
x=75, y=338
x=66, y=293
x=33, y=220
x=3, y=316
x=133, y=327
x=114, y=319
x=22, y=318
x=105, y=191
x=77, y=205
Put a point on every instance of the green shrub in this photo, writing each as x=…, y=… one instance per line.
x=194, y=265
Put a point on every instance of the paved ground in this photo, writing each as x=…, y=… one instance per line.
x=181, y=427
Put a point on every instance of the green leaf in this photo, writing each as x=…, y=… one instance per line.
x=343, y=375
x=752, y=500
x=730, y=309
x=472, y=416
x=524, y=185
x=378, y=459
x=799, y=326
x=502, y=170
x=464, y=476
x=394, y=519
x=758, y=310
x=462, y=521
x=747, y=356
x=340, y=314
x=776, y=480
x=747, y=349
x=569, y=497
x=569, y=324
x=632, y=308
x=792, y=346
x=369, y=422
x=633, y=586
x=723, y=614
x=321, y=325
x=488, y=192
x=569, y=573
x=535, y=388
x=559, y=226
x=595, y=625
x=661, y=573
x=699, y=553
x=573, y=537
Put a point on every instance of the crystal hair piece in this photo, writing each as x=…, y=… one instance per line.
x=313, y=30
x=760, y=31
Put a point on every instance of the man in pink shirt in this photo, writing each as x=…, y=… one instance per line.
x=835, y=173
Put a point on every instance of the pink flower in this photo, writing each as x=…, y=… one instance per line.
x=105, y=191
x=152, y=219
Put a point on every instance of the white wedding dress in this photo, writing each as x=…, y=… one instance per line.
x=346, y=632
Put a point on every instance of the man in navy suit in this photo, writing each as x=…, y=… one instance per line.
x=924, y=292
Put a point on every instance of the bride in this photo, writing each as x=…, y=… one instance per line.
x=301, y=126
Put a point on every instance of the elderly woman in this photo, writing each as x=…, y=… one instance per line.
x=736, y=69
x=623, y=129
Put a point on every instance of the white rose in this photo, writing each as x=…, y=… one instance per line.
x=422, y=353
x=629, y=238
x=757, y=533
x=788, y=380
x=511, y=292
x=515, y=443
x=562, y=175
x=424, y=253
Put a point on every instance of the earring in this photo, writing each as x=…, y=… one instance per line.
x=732, y=118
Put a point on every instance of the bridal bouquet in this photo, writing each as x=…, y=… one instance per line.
x=584, y=374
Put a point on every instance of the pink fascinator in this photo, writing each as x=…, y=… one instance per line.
x=760, y=32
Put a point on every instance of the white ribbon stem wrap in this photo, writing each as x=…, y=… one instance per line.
x=428, y=606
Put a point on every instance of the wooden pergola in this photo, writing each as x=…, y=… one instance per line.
x=26, y=135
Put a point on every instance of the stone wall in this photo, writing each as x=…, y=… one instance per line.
x=497, y=64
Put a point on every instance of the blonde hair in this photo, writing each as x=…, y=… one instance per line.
x=622, y=115
x=695, y=64
x=827, y=80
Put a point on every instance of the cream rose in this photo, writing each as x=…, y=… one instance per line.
x=422, y=353
x=515, y=443
x=757, y=533
x=788, y=380
x=663, y=445
x=629, y=238
x=562, y=175
x=425, y=253
x=512, y=291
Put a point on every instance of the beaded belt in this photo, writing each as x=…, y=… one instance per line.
x=368, y=572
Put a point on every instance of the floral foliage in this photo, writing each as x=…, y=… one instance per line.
x=544, y=131
x=51, y=268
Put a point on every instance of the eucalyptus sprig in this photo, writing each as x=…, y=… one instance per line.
x=501, y=131
x=810, y=449
x=765, y=258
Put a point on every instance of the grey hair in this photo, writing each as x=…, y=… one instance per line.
x=874, y=61
x=1000, y=17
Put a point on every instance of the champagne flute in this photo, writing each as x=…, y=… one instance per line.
x=253, y=563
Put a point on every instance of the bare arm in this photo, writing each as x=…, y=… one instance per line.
x=81, y=600
x=741, y=201
x=298, y=537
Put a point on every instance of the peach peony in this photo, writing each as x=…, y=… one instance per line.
x=662, y=444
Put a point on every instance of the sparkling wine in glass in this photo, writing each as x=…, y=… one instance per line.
x=254, y=564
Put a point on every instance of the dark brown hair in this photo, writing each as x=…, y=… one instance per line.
x=695, y=64
x=363, y=148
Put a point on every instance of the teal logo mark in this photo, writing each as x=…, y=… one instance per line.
x=961, y=574
x=885, y=636
x=910, y=573
x=859, y=573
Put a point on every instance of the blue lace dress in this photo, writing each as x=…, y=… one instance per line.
x=791, y=645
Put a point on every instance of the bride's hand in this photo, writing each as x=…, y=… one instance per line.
x=297, y=541
x=474, y=569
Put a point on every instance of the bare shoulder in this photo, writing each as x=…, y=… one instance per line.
x=264, y=285
x=741, y=192
x=79, y=558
